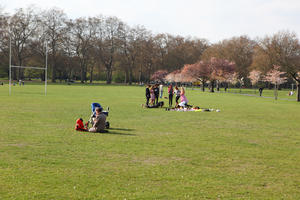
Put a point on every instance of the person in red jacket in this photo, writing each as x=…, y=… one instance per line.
x=79, y=125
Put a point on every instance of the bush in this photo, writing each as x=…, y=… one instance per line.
x=118, y=77
x=3, y=73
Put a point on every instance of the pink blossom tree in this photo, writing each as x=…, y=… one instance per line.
x=254, y=77
x=219, y=69
x=173, y=76
x=159, y=75
x=276, y=77
x=233, y=78
x=197, y=72
x=213, y=70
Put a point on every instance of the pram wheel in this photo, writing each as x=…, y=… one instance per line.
x=107, y=125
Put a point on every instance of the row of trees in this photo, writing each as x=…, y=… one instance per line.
x=88, y=48
x=243, y=60
x=98, y=47
x=216, y=71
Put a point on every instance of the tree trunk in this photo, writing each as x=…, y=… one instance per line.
x=108, y=75
x=140, y=74
x=20, y=71
x=130, y=76
x=53, y=71
x=203, y=86
x=43, y=76
x=212, y=86
x=82, y=74
x=14, y=73
x=298, y=91
x=126, y=76
x=275, y=92
x=91, y=74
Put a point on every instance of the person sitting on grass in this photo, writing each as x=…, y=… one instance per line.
x=99, y=122
x=158, y=105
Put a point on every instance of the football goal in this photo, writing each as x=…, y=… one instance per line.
x=27, y=67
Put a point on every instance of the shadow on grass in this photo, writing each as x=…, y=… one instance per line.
x=117, y=133
x=121, y=129
x=112, y=131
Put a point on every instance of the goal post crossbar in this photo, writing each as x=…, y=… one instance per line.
x=43, y=68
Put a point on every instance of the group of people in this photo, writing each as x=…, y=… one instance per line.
x=153, y=92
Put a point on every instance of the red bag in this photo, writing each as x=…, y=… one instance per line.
x=79, y=125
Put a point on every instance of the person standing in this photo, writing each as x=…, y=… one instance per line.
x=152, y=95
x=156, y=93
x=170, y=92
x=177, y=95
x=260, y=91
x=161, y=90
x=147, y=94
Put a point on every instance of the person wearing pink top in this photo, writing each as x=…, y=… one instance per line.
x=152, y=95
x=183, y=99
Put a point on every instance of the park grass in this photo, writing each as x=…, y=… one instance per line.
x=249, y=150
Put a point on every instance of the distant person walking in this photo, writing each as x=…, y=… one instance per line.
x=170, y=92
x=161, y=90
x=260, y=90
x=147, y=94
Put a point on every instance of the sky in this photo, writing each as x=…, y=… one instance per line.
x=214, y=20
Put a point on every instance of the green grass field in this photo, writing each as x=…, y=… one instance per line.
x=249, y=150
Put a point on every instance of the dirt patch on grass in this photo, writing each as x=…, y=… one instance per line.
x=17, y=145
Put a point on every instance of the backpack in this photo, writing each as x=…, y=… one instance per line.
x=79, y=125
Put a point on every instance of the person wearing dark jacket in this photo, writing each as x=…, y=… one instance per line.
x=170, y=92
x=156, y=93
x=147, y=94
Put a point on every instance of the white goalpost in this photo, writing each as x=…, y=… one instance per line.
x=27, y=67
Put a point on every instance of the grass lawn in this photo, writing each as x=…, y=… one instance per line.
x=249, y=150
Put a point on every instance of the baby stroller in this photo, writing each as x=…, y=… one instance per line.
x=93, y=107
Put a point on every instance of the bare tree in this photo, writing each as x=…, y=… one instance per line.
x=53, y=24
x=109, y=44
x=82, y=35
x=132, y=47
x=23, y=25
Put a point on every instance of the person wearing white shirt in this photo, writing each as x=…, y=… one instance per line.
x=161, y=90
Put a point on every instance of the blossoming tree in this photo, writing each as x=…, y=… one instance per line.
x=159, y=75
x=276, y=77
x=197, y=72
x=255, y=76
